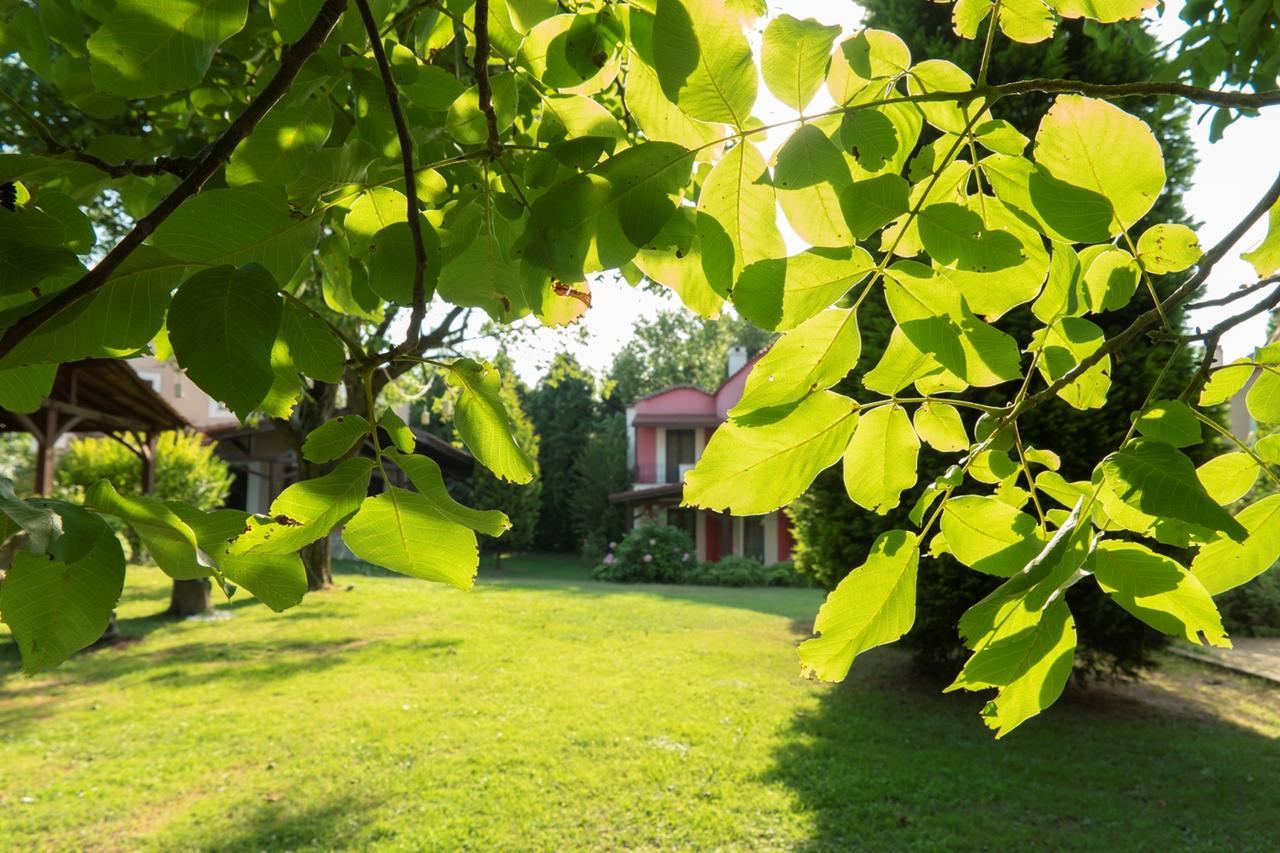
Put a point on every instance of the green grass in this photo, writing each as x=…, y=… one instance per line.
x=544, y=711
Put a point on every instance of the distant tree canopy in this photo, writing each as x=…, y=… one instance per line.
x=677, y=348
x=564, y=408
x=302, y=201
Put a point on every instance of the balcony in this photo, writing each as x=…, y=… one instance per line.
x=651, y=473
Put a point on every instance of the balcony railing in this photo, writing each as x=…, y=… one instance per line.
x=649, y=472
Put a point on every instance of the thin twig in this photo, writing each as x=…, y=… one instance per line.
x=292, y=58
x=1239, y=293
x=419, y=310
x=1196, y=94
x=1214, y=335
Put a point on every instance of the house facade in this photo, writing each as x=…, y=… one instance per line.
x=667, y=433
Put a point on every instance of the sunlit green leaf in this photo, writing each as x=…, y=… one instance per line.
x=167, y=538
x=811, y=357
x=756, y=468
x=334, y=438
x=307, y=510
x=880, y=461
x=873, y=605
x=484, y=424
x=990, y=536
x=1159, y=591
x=1225, y=564
x=1159, y=480
x=703, y=60
x=402, y=531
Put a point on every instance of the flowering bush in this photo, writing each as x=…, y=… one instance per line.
x=650, y=553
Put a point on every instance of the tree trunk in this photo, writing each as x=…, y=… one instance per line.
x=318, y=563
x=190, y=598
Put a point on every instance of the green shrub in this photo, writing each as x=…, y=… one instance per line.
x=1253, y=610
x=187, y=470
x=744, y=571
x=650, y=553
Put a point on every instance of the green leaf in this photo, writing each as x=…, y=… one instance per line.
x=1225, y=564
x=990, y=536
x=483, y=423
x=1109, y=277
x=57, y=603
x=374, y=210
x=334, y=438
x=429, y=481
x=240, y=225
x=782, y=293
x=484, y=275
x=1103, y=11
x=794, y=58
x=1026, y=21
x=812, y=357
x=880, y=461
x=1001, y=137
x=1159, y=591
x=873, y=605
x=146, y=48
x=1029, y=666
x=661, y=120
x=307, y=510
x=1170, y=421
x=939, y=75
x=1065, y=344
x=1095, y=145
x=870, y=55
x=465, y=121
x=939, y=426
x=1263, y=398
x=703, y=60
x=395, y=427
x=1168, y=248
x=1268, y=448
x=956, y=236
x=280, y=145
x=809, y=174
x=1063, y=294
x=1265, y=258
x=117, y=320
x=571, y=53
x=222, y=325
x=673, y=259
x=737, y=223
x=41, y=524
x=1226, y=381
x=1159, y=480
x=751, y=469
x=1061, y=211
x=313, y=347
x=22, y=389
x=171, y=543
x=277, y=580
x=402, y=531
x=936, y=319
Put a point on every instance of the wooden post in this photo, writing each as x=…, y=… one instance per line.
x=45, y=441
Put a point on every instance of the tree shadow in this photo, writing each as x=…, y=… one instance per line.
x=885, y=761
x=325, y=822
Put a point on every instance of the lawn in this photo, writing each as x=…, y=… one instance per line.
x=545, y=711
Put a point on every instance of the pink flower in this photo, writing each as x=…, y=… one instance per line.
x=613, y=545
x=608, y=559
x=648, y=558
x=685, y=557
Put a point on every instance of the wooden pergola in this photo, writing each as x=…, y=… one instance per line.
x=103, y=396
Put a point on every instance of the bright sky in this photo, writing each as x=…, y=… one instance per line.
x=1231, y=175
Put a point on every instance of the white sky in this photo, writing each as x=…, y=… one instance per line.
x=1232, y=174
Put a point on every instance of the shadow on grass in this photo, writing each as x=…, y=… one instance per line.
x=887, y=762
x=323, y=824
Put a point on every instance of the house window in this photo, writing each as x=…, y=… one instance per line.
x=177, y=389
x=753, y=537
x=679, y=452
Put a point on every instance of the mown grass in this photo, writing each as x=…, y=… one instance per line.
x=544, y=711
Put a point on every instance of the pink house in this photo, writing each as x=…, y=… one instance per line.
x=667, y=433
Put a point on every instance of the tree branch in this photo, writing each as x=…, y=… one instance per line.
x=419, y=308
x=1239, y=293
x=292, y=58
x=1212, y=337
x=482, y=77
x=1239, y=100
